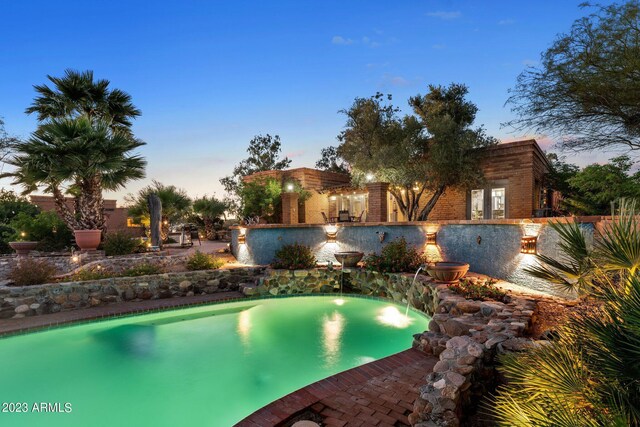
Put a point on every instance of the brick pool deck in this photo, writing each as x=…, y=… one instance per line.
x=47, y=321
x=380, y=393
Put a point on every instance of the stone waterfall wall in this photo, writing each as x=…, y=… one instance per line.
x=423, y=295
x=467, y=336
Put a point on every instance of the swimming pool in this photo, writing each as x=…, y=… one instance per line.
x=203, y=366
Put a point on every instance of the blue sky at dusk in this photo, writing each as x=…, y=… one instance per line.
x=208, y=76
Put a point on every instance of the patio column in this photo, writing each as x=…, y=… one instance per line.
x=377, y=201
x=289, y=208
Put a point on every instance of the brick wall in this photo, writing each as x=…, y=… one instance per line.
x=521, y=164
x=378, y=201
x=290, y=208
x=116, y=217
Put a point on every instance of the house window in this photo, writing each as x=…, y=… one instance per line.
x=497, y=203
x=477, y=204
x=489, y=202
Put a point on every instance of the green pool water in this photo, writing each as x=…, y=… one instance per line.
x=205, y=366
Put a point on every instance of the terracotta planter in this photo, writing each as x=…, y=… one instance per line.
x=348, y=259
x=23, y=248
x=88, y=240
x=447, y=271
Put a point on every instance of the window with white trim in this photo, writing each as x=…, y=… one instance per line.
x=477, y=204
x=498, y=203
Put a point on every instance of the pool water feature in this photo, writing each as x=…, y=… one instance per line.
x=208, y=365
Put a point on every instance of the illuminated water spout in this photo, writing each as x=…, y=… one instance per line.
x=422, y=267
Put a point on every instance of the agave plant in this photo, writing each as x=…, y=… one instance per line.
x=590, y=376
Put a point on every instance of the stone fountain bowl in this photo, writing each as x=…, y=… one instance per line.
x=23, y=248
x=447, y=271
x=349, y=258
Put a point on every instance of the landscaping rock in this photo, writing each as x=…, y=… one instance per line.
x=21, y=309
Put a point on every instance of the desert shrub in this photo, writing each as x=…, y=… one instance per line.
x=145, y=269
x=589, y=375
x=201, y=261
x=294, y=257
x=46, y=228
x=94, y=273
x=30, y=271
x=478, y=289
x=120, y=243
x=396, y=257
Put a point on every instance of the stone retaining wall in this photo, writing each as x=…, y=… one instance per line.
x=396, y=287
x=16, y=302
x=62, y=262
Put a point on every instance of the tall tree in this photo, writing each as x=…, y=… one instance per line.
x=211, y=212
x=76, y=153
x=264, y=154
x=420, y=155
x=593, y=189
x=83, y=145
x=175, y=205
x=585, y=91
x=78, y=94
x=331, y=161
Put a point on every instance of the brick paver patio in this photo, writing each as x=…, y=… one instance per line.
x=380, y=393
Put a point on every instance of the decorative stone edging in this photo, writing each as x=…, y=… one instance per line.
x=21, y=301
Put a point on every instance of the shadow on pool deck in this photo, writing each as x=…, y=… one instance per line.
x=46, y=321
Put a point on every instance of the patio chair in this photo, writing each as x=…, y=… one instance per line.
x=324, y=217
x=358, y=218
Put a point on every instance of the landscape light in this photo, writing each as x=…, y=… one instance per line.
x=242, y=237
x=528, y=244
x=331, y=232
x=431, y=238
x=369, y=177
x=290, y=187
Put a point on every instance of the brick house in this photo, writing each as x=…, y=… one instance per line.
x=116, y=217
x=515, y=188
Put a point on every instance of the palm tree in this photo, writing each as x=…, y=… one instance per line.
x=211, y=212
x=590, y=376
x=175, y=205
x=77, y=156
x=78, y=94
